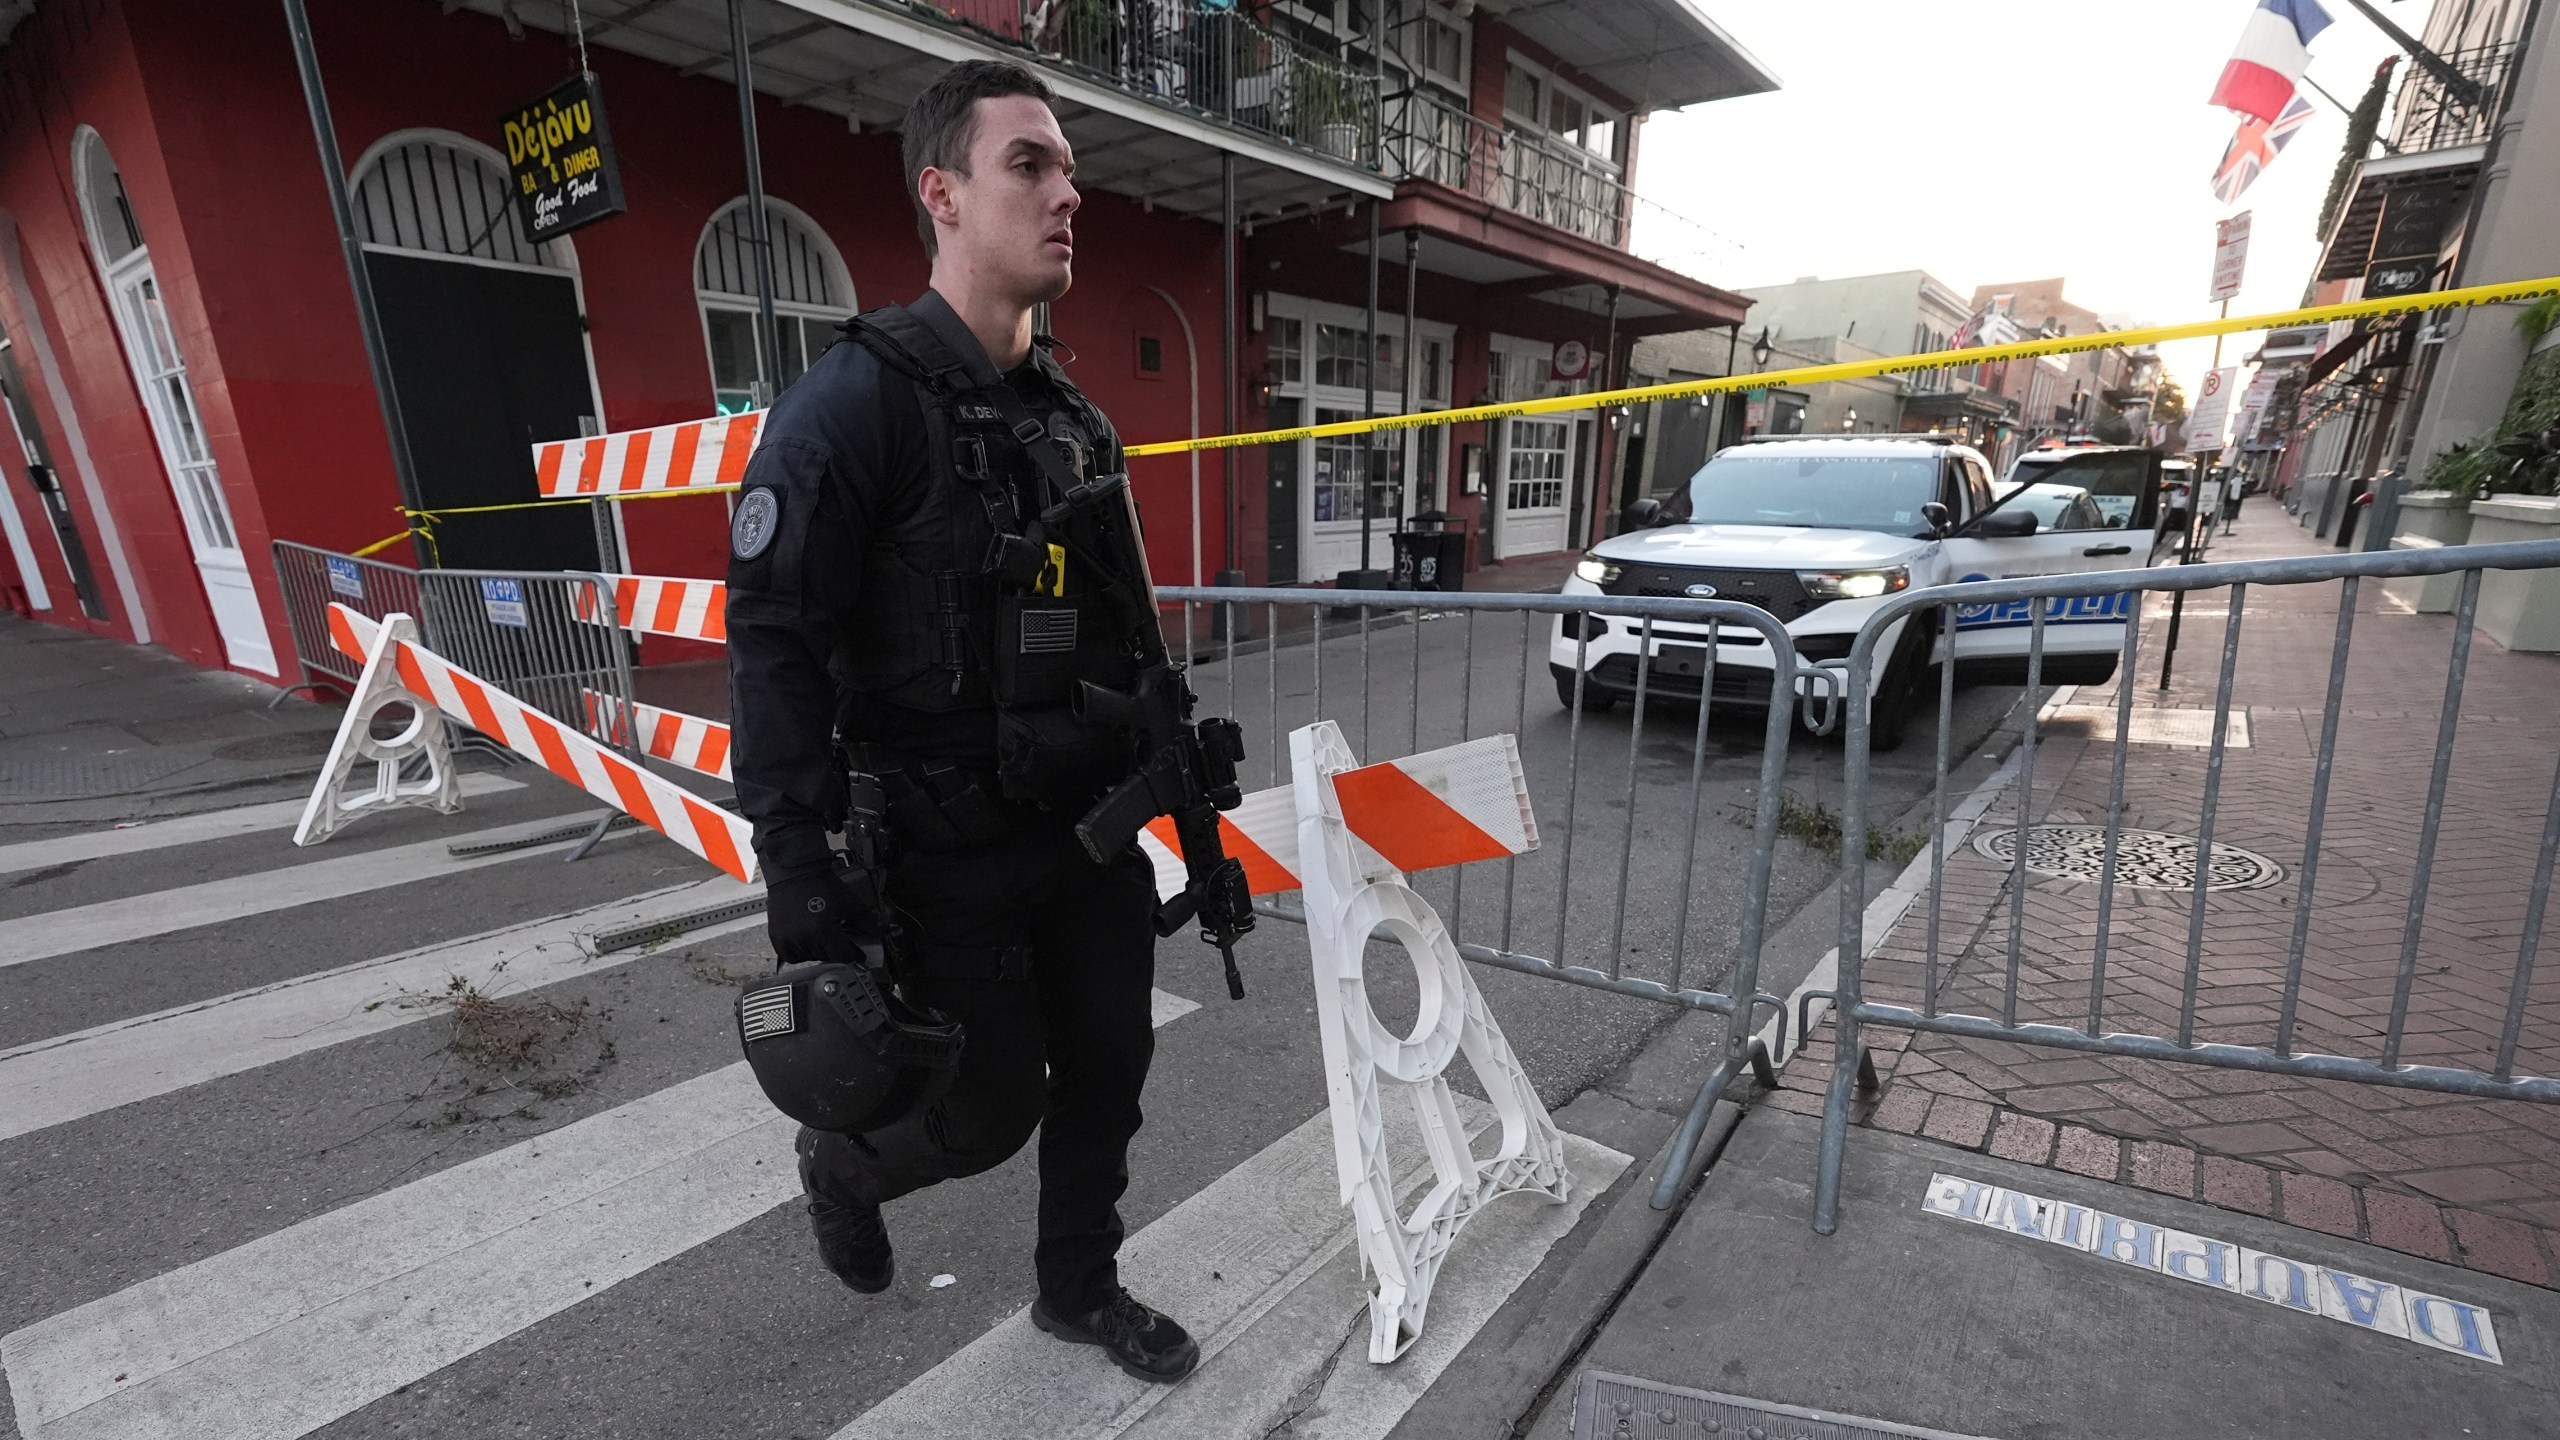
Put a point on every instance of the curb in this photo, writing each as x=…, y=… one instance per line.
x=1509, y=1372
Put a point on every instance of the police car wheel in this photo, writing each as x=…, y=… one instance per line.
x=1593, y=701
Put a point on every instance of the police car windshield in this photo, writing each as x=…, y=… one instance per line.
x=1811, y=485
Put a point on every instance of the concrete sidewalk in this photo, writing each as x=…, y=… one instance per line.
x=2471, y=1182
x=93, y=729
x=1938, y=1305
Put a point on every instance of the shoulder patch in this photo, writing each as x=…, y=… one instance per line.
x=751, y=529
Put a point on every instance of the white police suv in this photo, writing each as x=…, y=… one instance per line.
x=1818, y=530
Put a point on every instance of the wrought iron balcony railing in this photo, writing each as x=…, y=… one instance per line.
x=1198, y=57
x=2435, y=113
x=1546, y=180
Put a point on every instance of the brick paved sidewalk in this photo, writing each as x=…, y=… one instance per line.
x=2467, y=1181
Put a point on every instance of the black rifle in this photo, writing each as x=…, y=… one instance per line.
x=1190, y=769
x=1190, y=774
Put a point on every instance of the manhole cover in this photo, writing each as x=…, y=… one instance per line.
x=88, y=778
x=1622, y=1407
x=2145, y=859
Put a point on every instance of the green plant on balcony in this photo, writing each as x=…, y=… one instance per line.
x=1324, y=110
x=1088, y=32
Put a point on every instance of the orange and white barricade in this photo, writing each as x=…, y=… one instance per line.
x=391, y=652
x=1346, y=835
x=425, y=739
x=696, y=744
x=664, y=605
x=698, y=454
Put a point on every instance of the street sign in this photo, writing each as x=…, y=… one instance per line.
x=560, y=158
x=2212, y=412
x=2254, y=403
x=2230, y=255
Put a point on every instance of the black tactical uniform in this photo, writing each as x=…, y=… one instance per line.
x=863, y=632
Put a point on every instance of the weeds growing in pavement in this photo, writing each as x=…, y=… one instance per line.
x=514, y=1051
x=1815, y=826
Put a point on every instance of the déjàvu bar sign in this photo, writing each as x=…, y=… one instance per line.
x=560, y=154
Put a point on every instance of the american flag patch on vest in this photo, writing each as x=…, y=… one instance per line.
x=1048, y=632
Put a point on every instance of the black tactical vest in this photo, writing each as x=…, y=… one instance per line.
x=995, y=592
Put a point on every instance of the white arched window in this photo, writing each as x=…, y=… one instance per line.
x=159, y=367
x=812, y=294
x=440, y=194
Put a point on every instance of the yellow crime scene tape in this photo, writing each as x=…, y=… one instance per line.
x=1886, y=365
x=422, y=522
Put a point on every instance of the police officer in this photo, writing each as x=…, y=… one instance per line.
x=895, y=611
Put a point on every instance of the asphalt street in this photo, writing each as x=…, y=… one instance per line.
x=501, y=1185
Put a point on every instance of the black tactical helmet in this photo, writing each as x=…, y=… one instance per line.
x=836, y=1052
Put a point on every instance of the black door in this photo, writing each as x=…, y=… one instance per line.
x=488, y=362
x=1282, y=497
x=47, y=484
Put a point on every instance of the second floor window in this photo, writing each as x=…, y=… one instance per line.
x=1539, y=103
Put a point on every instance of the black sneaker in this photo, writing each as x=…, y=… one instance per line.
x=1140, y=1341
x=852, y=1241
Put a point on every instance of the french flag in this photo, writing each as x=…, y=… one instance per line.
x=2274, y=49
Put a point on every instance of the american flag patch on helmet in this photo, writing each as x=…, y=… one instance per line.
x=766, y=1013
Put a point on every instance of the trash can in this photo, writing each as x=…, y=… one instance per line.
x=1433, y=554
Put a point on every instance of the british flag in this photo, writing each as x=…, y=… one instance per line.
x=2254, y=147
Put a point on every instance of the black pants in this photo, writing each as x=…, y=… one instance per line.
x=1058, y=1036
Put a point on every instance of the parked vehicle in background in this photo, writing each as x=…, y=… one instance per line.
x=1818, y=529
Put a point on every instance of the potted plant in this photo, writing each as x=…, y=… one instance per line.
x=1323, y=110
x=2520, y=609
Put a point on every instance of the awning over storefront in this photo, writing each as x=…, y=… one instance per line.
x=867, y=61
x=1505, y=253
x=2351, y=243
x=1656, y=54
x=1973, y=404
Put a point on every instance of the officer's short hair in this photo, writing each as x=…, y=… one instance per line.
x=942, y=122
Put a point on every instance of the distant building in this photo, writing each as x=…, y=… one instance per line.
x=2054, y=394
x=1901, y=312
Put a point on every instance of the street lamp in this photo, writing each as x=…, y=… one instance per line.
x=1761, y=350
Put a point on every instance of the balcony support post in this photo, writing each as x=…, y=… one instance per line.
x=1232, y=548
x=1369, y=400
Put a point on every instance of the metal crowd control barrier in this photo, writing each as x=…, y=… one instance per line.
x=2085, y=1033
x=518, y=630
x=311, y=578
x=1569, y=911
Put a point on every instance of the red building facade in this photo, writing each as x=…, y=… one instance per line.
x=187, y=377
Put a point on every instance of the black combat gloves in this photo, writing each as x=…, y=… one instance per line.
x=823, y=918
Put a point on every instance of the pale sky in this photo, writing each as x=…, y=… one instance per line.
x=1987, y=141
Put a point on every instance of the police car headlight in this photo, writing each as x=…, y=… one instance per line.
x=1854, y=584
x=1595, y=570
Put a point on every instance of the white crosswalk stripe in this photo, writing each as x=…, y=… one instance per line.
x=290, y=1332
x=282, y=1335
x=188, y=830
x=1271, y=1231
x=52, y=1082
x=115, y=922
